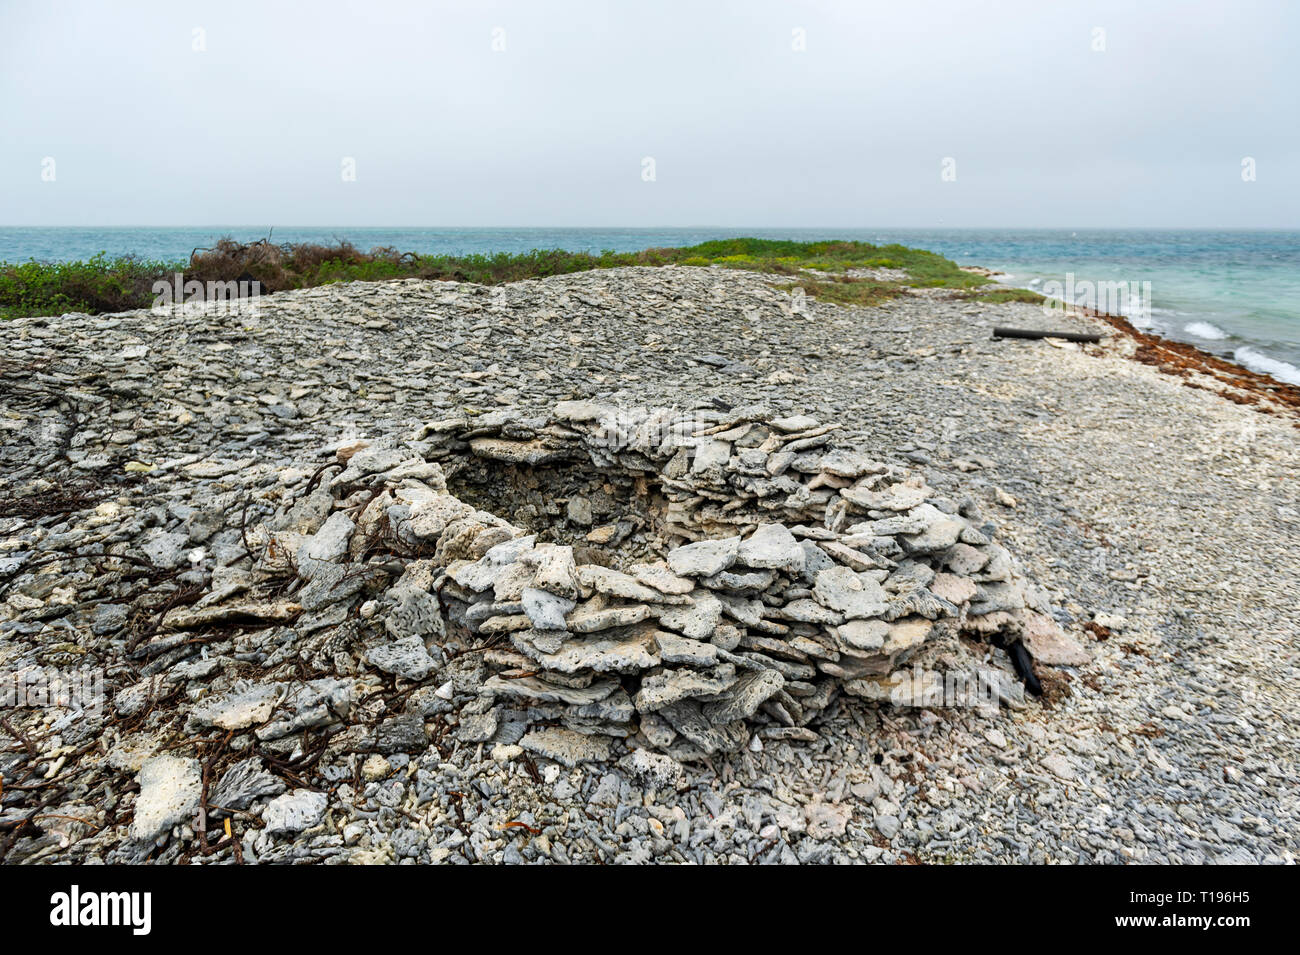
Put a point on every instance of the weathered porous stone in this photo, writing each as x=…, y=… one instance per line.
x=294, y=811
x=170, y=789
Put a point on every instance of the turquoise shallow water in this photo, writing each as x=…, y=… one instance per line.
x=1235, y=293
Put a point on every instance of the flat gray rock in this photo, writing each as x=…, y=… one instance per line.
x=591, y=619
x=671, y=686
x=544, y=609
x=772, y=545
x=749, y=693
x=684, y=650
x=845, y=592
x=566, y=746
x=697, y=620
x=703, y=558
x=534, y=688
x=331, y=541
x=710, y=453
x=620, y=650
x=617, y=584
x=662, y=579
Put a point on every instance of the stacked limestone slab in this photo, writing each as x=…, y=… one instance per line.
x=753, y=572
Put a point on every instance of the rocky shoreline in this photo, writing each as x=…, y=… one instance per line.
x=1202, y=369
x=279, y=530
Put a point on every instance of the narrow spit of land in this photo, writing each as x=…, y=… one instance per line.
x=1160, y=518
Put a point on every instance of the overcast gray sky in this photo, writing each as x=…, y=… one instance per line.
x=1050, y=122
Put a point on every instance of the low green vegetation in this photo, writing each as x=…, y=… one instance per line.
x=100, y=284
x=848, y=291
x=843, y=272
x=998, y=296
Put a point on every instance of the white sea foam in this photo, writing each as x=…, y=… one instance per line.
x=1205, y=330
x=1256, y=361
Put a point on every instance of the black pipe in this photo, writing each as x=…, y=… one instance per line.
x=1024, y=665
x=1035, y=333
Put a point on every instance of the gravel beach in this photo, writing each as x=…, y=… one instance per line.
x=140, y=450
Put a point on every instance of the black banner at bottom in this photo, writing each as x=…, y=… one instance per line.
x=333, y=904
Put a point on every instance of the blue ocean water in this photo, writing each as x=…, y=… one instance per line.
x=1234, y=293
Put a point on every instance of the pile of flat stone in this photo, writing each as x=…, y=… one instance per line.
x=770, y=572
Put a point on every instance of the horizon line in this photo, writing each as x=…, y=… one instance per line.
x=662, y=228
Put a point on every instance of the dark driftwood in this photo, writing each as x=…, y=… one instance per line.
x=1036, y=333
x=1024, y=665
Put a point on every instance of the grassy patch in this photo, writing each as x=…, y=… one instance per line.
x=848, y=291
x=104, y=284
x=1000, y=296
